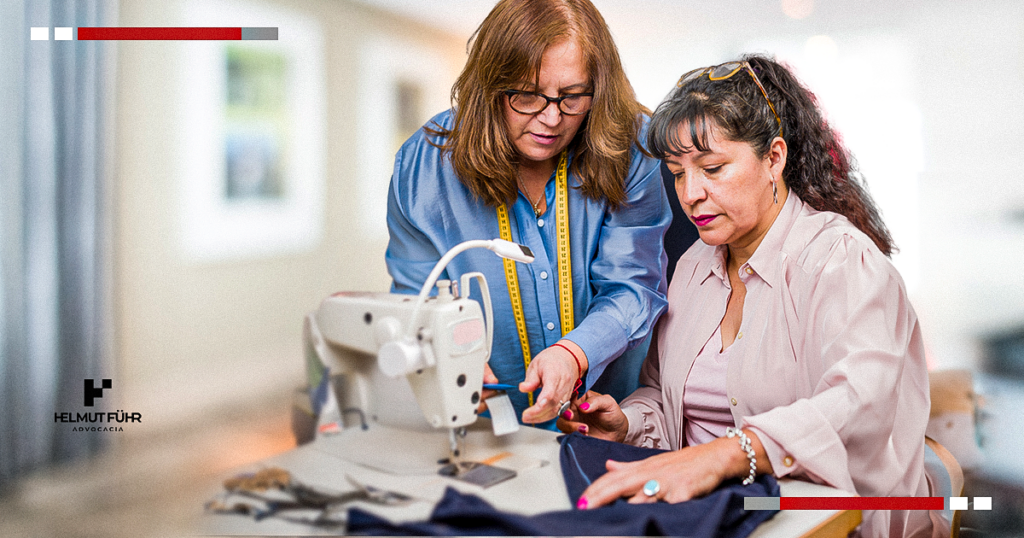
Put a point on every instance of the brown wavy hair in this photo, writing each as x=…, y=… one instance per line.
x=819, y=168
x=506, y=50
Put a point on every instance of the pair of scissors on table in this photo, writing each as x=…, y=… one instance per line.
x=292, y=495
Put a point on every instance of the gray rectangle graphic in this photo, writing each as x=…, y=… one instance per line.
x=761, y=503
x=266, y=34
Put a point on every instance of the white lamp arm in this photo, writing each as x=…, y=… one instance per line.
x=505, y=249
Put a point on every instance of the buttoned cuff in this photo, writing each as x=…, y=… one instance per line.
x=782, y=463
x=635, y=434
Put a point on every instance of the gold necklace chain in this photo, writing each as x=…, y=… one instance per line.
x=529, y=198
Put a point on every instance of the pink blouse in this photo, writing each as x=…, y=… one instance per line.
x=705, y=405
x=828, y=368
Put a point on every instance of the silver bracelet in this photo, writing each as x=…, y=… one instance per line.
x=747, y=447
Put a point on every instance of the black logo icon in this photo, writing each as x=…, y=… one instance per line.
x=92, y=392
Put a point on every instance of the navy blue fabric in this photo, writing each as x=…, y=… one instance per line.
x=718, y=514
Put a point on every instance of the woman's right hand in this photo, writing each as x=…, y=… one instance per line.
x=596, y=415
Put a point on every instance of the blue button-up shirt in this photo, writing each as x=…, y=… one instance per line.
x=618, y=260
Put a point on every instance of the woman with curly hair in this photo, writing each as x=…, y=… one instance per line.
x=790, y=346
x=541, y=147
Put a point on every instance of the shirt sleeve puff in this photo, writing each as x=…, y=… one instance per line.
x=862, y=427
x=644, y=408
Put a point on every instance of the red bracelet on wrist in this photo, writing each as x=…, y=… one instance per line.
x=579, y=367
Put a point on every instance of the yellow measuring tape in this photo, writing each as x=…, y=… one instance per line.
x=564, y=263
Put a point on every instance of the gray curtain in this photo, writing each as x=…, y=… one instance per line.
x=54, y=231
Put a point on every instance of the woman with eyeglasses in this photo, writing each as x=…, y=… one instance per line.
x=790, y=346
x=541, y=147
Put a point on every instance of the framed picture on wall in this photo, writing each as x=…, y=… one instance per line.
x=252, y=159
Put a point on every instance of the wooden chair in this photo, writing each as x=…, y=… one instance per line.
x=951, y=421
x=949, y=475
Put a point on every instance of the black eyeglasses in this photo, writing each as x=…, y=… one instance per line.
x=724, y=71
x=570, y=104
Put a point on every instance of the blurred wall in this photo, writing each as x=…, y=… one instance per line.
x=193, y=334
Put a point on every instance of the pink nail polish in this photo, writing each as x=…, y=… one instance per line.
x=567, y=415
x=584, y=406
x=583, y=428
x=581, y=504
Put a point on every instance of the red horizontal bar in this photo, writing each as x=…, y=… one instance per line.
x=862, y=503
x=158, y=33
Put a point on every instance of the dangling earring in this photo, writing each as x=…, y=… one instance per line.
x=775, y=192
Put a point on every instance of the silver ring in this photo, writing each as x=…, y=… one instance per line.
x=651, y=488
x=562, y=407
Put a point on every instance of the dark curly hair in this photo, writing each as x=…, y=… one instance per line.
x=819, y=168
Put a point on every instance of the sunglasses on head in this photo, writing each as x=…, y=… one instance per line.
x=727, y=70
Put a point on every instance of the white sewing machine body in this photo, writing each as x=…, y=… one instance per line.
x=381, y=345
x=445, y=377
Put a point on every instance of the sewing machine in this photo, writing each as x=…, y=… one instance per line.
x=403, y=361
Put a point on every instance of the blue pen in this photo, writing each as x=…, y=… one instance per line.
x=500, y=386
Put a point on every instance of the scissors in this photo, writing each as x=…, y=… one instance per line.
x=504, y=386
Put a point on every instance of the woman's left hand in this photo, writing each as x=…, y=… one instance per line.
x=556, y=371
x=681, y=474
